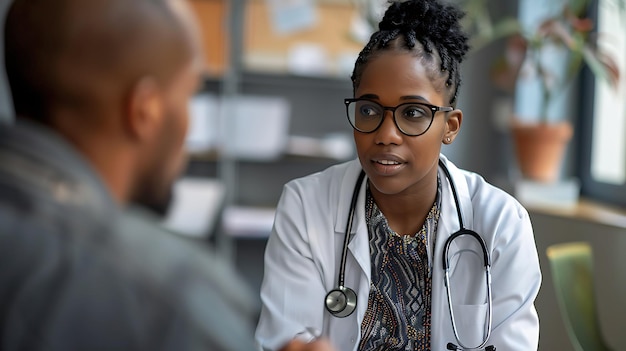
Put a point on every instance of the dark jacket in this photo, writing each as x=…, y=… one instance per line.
x=79, y=273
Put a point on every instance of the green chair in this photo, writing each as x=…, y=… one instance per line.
x=572, y=273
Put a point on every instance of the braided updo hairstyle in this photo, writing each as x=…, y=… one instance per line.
x=433, y=25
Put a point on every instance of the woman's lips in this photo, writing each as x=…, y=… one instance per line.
x=386, y=166
x=388, y=162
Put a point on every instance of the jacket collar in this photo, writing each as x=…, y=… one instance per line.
x=46, y=163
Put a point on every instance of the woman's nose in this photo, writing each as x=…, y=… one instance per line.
x=388, y=133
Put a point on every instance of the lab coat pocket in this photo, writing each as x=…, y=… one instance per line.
x=470, y=323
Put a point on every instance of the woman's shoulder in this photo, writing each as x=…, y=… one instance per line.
x=496, y=211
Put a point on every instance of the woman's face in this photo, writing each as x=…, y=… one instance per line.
x=398, y=164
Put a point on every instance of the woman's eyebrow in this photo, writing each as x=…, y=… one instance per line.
x=406, y=97
x=368, y=96
x=413, y=97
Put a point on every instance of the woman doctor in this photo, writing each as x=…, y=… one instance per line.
x=405, y=211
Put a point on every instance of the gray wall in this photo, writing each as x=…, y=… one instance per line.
x=483, y=146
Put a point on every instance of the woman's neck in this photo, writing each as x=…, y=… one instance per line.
x=407, y=212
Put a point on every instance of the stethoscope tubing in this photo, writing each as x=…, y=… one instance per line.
x=446, y=267
x=346, y=239
x=445, y=261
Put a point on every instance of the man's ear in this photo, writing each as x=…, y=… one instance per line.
x=453, y=125
x=144, y=108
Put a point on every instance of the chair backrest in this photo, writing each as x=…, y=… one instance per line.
x=572, y=273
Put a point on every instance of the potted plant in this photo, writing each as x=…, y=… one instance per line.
x=540, y=144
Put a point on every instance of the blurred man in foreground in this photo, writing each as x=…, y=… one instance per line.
x=100, y=89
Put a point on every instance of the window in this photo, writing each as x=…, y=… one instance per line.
x=603, y=119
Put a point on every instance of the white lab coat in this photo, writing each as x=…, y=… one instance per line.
x=303, y=253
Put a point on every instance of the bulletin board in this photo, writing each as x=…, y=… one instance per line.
x=331, y=32
x=213, y=21
x=265, y=49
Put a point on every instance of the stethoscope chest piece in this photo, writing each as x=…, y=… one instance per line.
x=341, y=302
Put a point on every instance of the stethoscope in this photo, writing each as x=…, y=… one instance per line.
x=341, y=301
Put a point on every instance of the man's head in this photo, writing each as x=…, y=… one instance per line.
x=114, y=78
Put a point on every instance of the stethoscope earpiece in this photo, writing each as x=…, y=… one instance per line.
x=341, y=302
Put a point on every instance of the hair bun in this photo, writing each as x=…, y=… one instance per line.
x=431, y=18
x=407, y=15
x=433, y=24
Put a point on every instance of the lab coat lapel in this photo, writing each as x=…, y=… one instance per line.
x=359, y=245
x=343, y=206
x=359, y=240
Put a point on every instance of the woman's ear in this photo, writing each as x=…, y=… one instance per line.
x=144, y=111
x=453, y=125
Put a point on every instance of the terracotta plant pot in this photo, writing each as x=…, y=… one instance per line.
x=540, y=148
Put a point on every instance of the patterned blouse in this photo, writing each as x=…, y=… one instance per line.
x=398, y=311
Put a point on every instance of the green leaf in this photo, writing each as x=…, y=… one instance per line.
x=599, y=69
x=502, y=29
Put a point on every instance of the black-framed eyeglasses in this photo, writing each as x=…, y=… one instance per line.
x=411, y=118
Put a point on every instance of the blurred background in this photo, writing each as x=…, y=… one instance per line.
x=271, y=110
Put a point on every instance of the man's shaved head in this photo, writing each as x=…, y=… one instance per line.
x=112, y=77
x=80, y=54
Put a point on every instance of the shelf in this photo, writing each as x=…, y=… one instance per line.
x=261, y=183
x=287, y=80
x=196, y=207
x=335, y=147
x=248, y=222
